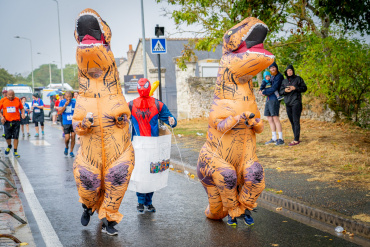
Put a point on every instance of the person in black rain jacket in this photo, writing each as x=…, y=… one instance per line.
x=291, y=88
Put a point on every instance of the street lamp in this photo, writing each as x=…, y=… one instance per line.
x=33, y=83
x=39, y=53
x=60, y=47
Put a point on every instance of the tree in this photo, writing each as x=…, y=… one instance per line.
x=5, y=78
x=217, y=16
x=71, y=75
x=42, y=75
x=338, y=70
x=319, y=15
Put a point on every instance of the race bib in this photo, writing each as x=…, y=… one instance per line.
x=69, y=109
x=69, y=117
x=37, y=110
x=10, y=109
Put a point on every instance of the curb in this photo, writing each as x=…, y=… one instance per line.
x=302, y=212
x=17, y=226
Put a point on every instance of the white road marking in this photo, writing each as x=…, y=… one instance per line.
x=47, y=231
x=39, y=142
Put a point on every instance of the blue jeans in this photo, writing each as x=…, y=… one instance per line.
x=145, y=198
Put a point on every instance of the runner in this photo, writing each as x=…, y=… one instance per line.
x=11, y=120
x=38, y=113
x=66, y=108
x=4, y=92
x=146, y=111
x=26, y=120
x=60, y=98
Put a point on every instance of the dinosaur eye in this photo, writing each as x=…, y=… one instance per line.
x=230, y=32
x=146, y=85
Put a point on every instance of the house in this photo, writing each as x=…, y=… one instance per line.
x=207, y=65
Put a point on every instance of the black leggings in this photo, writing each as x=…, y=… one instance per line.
x=37, y=124
x=294, y=115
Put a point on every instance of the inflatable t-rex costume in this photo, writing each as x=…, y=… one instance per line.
x=228, y=165
x=105, y=160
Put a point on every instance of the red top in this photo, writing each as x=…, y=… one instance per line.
x=11, y=109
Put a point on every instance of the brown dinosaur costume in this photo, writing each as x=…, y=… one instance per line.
x=105, y=160
x=228, y=165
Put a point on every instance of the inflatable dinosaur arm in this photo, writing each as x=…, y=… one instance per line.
x=256, y=124
x=121, y=121
x=81, y=125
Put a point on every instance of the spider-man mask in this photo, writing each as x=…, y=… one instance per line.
x=143, y=87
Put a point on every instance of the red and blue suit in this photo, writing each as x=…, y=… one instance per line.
x=145, y=113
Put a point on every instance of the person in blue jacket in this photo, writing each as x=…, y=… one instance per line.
x=272, y=105
x=145, y=113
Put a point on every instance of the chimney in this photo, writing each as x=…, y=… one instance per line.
x=130, y=54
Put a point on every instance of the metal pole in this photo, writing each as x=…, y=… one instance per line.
x=159, y=74
x=33, y=83
x=143, y=31
x=18, y=37
x=50, y=72
x=60, y=47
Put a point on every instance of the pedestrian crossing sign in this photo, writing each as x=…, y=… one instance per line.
x=159, y=45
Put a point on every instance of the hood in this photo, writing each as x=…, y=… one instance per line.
x=289, y=67
x=143, y=87
x=274, y=65
x=265, y=74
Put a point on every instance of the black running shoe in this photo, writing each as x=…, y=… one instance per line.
x=85, y=218
x=108, y=227
x=151, y=208
x=140, y=208
x=279, y=142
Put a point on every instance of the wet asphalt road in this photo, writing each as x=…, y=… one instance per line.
x=179, y=220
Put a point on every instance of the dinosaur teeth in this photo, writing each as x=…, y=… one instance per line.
x=270, y=56
x=94, y=15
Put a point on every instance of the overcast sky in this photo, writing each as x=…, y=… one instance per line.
x=38, y=21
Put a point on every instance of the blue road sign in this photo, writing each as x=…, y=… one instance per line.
x=159, y=45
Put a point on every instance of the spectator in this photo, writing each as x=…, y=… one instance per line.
x=38, y=113
x=292, y=88
x=266, y=83
x=26, y=120
x=75, y=95
x=10, y=117
x=54, y=111
x=272, y=106
x=67, y=108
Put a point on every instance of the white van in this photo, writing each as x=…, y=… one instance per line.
x=21, y=90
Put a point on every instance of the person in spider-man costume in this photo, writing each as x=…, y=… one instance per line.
x=145, y=113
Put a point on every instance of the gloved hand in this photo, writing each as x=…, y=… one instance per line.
x=171, y=120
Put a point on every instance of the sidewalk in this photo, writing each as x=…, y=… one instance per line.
x=294, y=192
x=8, y=224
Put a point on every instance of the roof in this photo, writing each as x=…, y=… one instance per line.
x=174, y=48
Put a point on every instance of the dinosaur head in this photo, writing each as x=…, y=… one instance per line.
x=91, y=29
x=243, y=52
x=97, y=69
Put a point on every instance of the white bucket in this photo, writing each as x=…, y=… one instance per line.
x=152, y=158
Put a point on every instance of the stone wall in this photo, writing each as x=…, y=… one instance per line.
x=195, y=96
